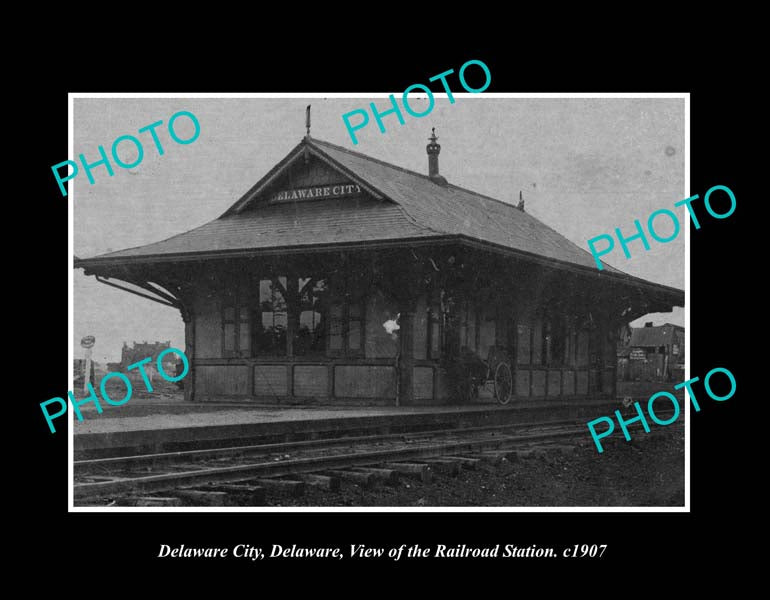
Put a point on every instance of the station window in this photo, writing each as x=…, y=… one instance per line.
x=258, y=321
x=310, y=334
x=336, y=328
x=524, y=335
x=555, y=337
x=236, y=324
x=581, y=348
x=355, y=327
x=537, y=342
x=272, y=318
x=468, y=329
x=346, y=328
x=434, y=332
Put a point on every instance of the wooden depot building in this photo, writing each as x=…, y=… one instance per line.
x=339, y=278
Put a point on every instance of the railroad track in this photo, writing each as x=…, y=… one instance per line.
x=244, y=475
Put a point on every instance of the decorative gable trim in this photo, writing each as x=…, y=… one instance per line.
x=299, y=152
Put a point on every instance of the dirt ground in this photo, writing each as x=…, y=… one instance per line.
x=648, y=471
x=642, y=390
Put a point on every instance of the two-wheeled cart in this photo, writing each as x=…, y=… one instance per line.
x=495, y=373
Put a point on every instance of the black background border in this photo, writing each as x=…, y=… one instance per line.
x=657, y=540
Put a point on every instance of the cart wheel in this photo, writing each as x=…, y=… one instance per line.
x=503, y=383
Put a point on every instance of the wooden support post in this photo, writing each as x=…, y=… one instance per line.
x=405, y=367
x=189, y=338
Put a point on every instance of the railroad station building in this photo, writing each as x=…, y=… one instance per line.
x=341, y=279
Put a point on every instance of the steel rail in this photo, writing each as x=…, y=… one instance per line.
x=166, y=481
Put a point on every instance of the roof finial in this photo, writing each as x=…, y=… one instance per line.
x=521, y=202
x=433, y=138
x=307, y=120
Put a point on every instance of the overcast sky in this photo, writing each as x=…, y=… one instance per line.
x=585, y=166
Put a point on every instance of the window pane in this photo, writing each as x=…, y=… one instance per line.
x=310, y=337
x=229, y=337
x=557, y=342
x=335, y=327
x=354, y=335
x=308, y=319
x=229, y=313
x=582, y=349
x=244, y=340
x=265, y=291
x=487, y=331
x=270, y=330
x=472, y=330
x=524, y=334
x=382, y=335
x=573, y=356
x=435, y=335
x=537, y=343
x=244, y=331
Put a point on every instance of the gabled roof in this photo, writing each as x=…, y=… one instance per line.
x=404, y=205
x=452, y=210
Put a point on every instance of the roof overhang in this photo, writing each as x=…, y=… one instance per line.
x=665, y=295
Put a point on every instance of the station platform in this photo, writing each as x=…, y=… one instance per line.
x=163, y=426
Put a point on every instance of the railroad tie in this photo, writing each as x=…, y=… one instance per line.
x=443, y=465
x=357, y=477
x=149, y=501
x=418, y=471
x=466, y=461
x=321, y=481
x=252, y=495
x=387, y=476
x=197, y=497
x=283, y=486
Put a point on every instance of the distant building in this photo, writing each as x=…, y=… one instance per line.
x=652, y=353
